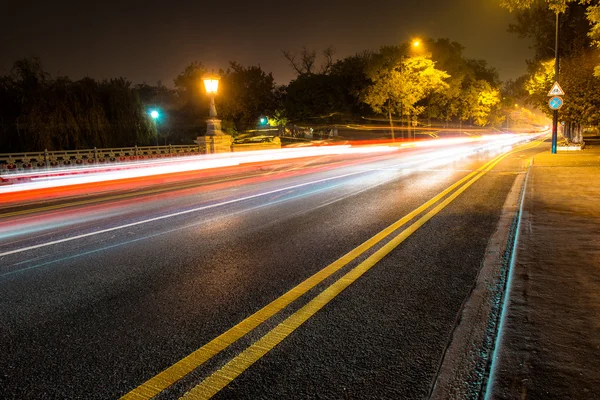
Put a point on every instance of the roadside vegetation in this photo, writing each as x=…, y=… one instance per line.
x=579, y=58
x=430, y=84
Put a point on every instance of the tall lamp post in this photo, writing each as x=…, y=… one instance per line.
x=211, y=84
x=215, y=141
x=416, y=49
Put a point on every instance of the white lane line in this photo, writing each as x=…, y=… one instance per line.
x=115, y=228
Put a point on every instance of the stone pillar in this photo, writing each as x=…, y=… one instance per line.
x=215, y=141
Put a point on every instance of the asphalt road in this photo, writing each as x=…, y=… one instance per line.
x=100, y=293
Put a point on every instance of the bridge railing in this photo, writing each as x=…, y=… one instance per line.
x=19, y=162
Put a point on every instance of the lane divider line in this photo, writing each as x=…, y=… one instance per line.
x=177, y=371
x=222, y=377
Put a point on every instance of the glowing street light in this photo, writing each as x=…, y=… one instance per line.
x=214, y=141
x=416, y=43
x=211, y=84
x=154, y=114
x=213, y=125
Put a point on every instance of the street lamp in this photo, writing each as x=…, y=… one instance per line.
x=211, y=84
x=414, y=48
x=154, y=114
x=214, y=141
x=213, y=125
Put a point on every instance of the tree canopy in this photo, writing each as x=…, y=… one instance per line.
x=397, y=88
x=435, y=81
x=578, y=60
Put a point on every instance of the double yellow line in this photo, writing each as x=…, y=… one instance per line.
x=221, y=378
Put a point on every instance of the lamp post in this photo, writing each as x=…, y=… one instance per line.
x=154, y=114
x=415, y=47
x=214, y=141
x=211, y=84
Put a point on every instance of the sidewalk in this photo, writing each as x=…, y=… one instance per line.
x=550, y=342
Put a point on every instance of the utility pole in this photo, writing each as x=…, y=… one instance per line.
x=555, y=114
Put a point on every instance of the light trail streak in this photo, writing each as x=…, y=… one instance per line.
x=69, y=177
x=85, y=175
x=175, y=214
x=414, y=162
x=83, y=182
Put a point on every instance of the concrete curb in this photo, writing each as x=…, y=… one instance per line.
x=466, y=362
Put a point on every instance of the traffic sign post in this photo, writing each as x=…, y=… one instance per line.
x=555, y=102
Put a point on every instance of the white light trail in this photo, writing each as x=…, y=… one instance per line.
x=93, y=174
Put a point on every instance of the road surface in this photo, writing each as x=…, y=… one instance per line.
x=334, y=276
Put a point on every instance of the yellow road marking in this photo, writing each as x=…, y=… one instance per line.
x=179, y=370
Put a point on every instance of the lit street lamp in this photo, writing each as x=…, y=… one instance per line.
x=415, y=48
x=154, y=114
x=214, y=141
x=211, y=83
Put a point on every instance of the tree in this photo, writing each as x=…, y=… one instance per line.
x=582, y=94
x=192, y=102
x=538, y=23
x=554, y=5
x=593, y=14
x=331, y=96
x=247, y=93
x=305, y=63
x=129, y=123
x=480, y=100
x=314, y=96
x=448, y=56
x=189, y=83
x=39, y=112
x=396, y=90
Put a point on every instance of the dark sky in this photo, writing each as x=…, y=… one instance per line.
x=150, y=41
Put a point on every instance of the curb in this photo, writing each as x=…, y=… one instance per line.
x=465, y=365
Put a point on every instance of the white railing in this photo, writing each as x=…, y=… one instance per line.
x=30, y=161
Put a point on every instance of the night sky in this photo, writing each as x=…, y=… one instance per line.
x=150, y=41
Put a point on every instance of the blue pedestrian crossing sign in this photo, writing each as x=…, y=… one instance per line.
x=555, y=102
